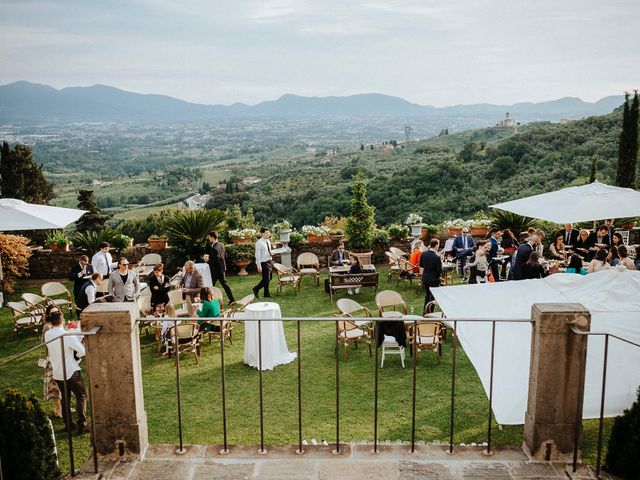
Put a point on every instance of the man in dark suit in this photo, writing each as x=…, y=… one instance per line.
x=494, y=247
x=215, y=254
x=611, y=229
x=431, y=269
x=522, y=256
x=463, y=248
x=80, y=274
x=569, y=235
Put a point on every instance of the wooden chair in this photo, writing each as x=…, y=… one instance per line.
x=240, y=305
x=34, y=300
x=185, y=338
x=55, y=289
x=26, y=317
x=287, y=276
x=354, y=330
x=394, y=267
x=227, y=327
x=430, y=312
x=398, y=253
x=427, y=337
x=175, y=299
x=390, y=300
x=309, y=266
x=406, y=271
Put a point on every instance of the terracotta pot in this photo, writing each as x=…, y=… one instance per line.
x=479, y=231
x=315, y=238
x=455, y=231
x=158, y=243
x=240, y=241
x=59, y=249
x=242, y=265
x=365, y=257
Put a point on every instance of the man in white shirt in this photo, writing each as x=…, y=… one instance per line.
x=102, y=261
x=73, y=349
x=87, y=293
x=263, y=262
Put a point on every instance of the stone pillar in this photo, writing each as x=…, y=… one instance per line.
x=114, y=366
x=556, y=380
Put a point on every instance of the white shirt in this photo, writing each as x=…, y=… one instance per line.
x=91, y=292
x=102, y=263
x=71, y=345
x=263, y=250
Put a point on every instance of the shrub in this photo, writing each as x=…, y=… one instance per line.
x=623, y=449
x=141, y=230
x=320, y=231
x=282, y=226
x=243, y=251
x=90, y=241
x=14, y=256
x=432, y=229
x=243, y=233
x=502, y=219
x=58, y=238
x=360, y=225
x=336, y=225
x=188, y=229
x=295, y=239
x=380, y=238
x=121, y=241
x=397, y=232
x=27, y=448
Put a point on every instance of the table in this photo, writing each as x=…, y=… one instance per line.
x=346, y=268
x=274, y=345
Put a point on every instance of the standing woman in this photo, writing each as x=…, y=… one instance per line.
x=51, y=389
x=159, y=285
x=509, y=244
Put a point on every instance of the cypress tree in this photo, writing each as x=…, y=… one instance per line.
x=594, y=169
x=628, y=147
x=93, y=220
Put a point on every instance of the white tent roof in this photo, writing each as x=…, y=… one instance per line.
x=594, y=201
x=19, y=215
x=612, y=297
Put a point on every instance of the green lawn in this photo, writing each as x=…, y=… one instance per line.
x=201, y=394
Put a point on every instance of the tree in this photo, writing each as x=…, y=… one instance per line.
x=20, y=177
x=361, y=224
x=628, y=146
x=93, y=220
x=594, y=169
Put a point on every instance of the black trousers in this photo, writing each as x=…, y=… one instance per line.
x=495, y=271
x=218, y=276
x=75, y=385
x=428, y=297
x=266, y=278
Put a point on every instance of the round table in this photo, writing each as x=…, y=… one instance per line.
x=274, y=344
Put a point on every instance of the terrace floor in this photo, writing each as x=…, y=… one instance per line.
x=393, y=461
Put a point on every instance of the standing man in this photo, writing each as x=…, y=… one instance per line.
x=215, y=256
x=79, y=273
x=463, y=248
x=102, y=261
x=263, y=262
x=73, y=349
x=569, y=234
x=522, y=256
x=123, y=283
x=87, y=293
x=191, y=284
x=609, y=224
x=431, y=269
x=494, y=248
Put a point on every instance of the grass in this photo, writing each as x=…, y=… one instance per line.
x=201, y=391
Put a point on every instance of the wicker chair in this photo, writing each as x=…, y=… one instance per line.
x=26, y=317
x=56, y=289
x=34, y=300
x=309, y=266
x=287, y=276
x=185, y=338
x=394, y=267
x=427, y=337
x=397, y=252
x=407, y=272
x=352, y=331
x=175, y=299
x=389, y=299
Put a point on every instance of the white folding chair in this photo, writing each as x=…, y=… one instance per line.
x=391, y=347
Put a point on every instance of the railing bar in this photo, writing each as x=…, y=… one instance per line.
x=375, y=394
x=413, y=392
x=176, y=346
x=578, y=422
x=493, y=348
x=66, y=395
x=601, y=424
x=299, y=390
x=612, y=335
x=261, y=397
x=453, y=384
x=332, y=319
x=337, y=390
x=93, y=422
x=224, y=392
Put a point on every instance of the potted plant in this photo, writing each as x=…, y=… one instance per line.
x=361, y=223
x=415, y=222
x=455, y=226
x=397, y=232
x=122, y=241
x=243, y=235
x=157, y=242
x=283, y=229
x=241, y=254
x=58, y=241
x=315, y=233
x=429, y=231
x=480, y=227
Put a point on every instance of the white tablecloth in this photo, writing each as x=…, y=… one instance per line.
x=205, y=271
x=274, y=345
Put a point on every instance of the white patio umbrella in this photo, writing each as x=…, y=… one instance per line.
x=595, y=201
x=19, y=215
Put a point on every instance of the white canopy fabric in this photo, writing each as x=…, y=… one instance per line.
x=612, y=297
x=594, y=201
x=19, y=215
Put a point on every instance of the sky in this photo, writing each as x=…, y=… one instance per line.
x=439, y=53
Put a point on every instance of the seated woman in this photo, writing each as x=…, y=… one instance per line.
x=584, y=244
x=617, y=239
x=575, y=265
x=625, y=261
x=599, y=262
x=356, y=267
x=613, y=258
x=556, y=249
x=414, y=259
x=533, y=269
x=210, y=309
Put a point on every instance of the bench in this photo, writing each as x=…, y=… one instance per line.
x=340, y=281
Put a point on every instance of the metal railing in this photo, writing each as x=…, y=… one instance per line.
x=584, y=335
x=240, y=318
x=67, y=393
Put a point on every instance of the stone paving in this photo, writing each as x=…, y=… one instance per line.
x=392, y=462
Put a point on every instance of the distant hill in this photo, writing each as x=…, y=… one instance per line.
x=27, y=102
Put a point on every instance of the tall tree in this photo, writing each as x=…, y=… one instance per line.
x=93, y=220
x=628, y=147
x=594, y=169
x=361, y=224
x=21, y=177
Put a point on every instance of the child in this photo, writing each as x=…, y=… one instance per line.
x=169, y=311
x=481, y=263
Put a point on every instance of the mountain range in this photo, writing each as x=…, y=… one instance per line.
x=26, y=102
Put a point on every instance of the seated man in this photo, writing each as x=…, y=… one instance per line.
x=340, y=256
x=463, y=248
